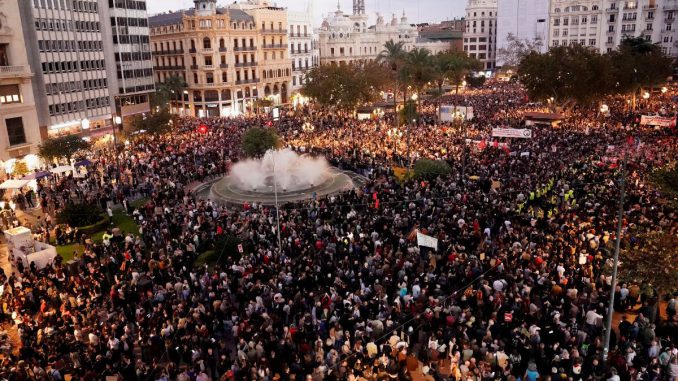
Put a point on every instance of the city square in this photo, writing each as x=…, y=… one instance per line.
x=306, y=191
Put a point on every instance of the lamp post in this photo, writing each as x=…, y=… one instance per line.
x=414, y=98
x=117, y=123
x=395, y=135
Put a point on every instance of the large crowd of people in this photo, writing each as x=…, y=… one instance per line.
x=517, y=288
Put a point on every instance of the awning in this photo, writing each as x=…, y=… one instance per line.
x=62, y=169
x=14, y=184
x=37, y=175
x=83, y=163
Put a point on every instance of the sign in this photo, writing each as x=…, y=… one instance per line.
x=448, y=112
x=655, y=120
x=427, y=241
x=521, y=133
x=508, y=317
x=240, y=248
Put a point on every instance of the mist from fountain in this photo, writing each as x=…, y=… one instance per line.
x=291, y=171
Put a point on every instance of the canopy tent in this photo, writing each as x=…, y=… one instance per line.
x=14, y=184
x=83, y=163
x=37, y=175
x=62, y=169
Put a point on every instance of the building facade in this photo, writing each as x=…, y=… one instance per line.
x=524, y=19
x=228, y=57
x=603, y=24
x=19, y=127
x=451, y=31
x=129, y=65
x=64, y=42
x=303, y=50
x=347, y=38
x=480, y=36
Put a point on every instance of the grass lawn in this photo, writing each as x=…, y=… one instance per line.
x=120, y=220
x=208, y=258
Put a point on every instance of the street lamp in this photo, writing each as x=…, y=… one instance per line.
x=664, y=90
x=394, y=134
x=646, y=95
x=604, y=108
x=414, y=97
x=85, y=124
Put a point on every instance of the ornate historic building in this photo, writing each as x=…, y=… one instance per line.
x=348, y=38
x=229, y=57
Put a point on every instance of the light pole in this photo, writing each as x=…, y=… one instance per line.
x=414, y=121
x=183, y=102
x=613, y=283
x=395, y=135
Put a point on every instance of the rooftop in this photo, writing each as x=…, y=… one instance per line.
x=171, y=18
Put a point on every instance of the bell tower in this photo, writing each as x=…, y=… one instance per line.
x=205, y=7
x=358, y=7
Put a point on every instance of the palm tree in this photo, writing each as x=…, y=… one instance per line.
x=418, y=63
x=176, y=86
x=393, y=56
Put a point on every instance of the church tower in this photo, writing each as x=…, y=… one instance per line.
x=358, y=7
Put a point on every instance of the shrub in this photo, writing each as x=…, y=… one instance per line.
x=430, y=169
x=256, y=141
x=79, y=215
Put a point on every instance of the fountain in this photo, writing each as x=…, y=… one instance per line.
x=292, y=176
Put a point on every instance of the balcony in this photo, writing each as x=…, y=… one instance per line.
x=246, y=81
x=194, y=67
x=274, y=31
x=245, y=48
x=223, y=49
x=275, y=46
x=192, y=50
x=208, y=66
x=245, y=64
x=224, y=66
x=13, y=71
x=299, y=35
x=207, y=50
x=612, y=9
x=669, y=20
x=169, y=67
x=168, y=52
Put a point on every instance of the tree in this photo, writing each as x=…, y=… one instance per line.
x=256, y=141
x=516, y=49
x=418, y=68
x=570, y=74
x=638, y=63
x=64, y=146
x=451, y=67
x=344, y=86
x=392, y=57
x=172, y=90
x=650, y=258
x=156, y=123
x=20, y=168
x=430, y=169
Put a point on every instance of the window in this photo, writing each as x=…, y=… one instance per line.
x=206, y=43
x=15, y=131
x=592, y=42
x=650, y=15
x=10, y=94
x=648, y=26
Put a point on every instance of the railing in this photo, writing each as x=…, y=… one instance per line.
x=245, y=64
x=275, y=46
x=194, y=67
x=206, y=66
x=207, y=50
x=12, y=70
x=246, y=81
x=274, y=31
x=299, y=35
x=175, y=51
x=669, y=19
x=650, y=6
x=611, y=9
x=224, y=66
x=244, y=48
x=169, y=67
x=191, y=50
x=222, y=49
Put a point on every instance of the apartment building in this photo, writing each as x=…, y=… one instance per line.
x=524, y=19
x=480, y=36
x=303, y=50
x=229, y=57
x=19, y=127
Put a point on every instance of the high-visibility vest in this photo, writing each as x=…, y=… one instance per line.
x=540, y=213
x=531, y=196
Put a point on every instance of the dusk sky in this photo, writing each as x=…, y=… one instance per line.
x=417, y=10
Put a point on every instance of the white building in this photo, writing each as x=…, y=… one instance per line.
x=303, y=49
x=348, y=38
x=128, y=55
x=524, y=19
x=64, y=40
x=19, y=127
x=480, y=37
x=603, y=24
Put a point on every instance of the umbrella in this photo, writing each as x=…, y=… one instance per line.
x=61, y=169
x=83, y=163
x=37, y=175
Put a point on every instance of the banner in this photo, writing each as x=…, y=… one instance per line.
x=426, y=240
x=522, y=133
x=447, y=112
x=655, y=120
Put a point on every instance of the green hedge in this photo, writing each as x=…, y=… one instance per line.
x=430, y=169
x=82, y=215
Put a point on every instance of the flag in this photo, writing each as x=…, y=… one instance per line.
x=482, y=145
x=375, y=197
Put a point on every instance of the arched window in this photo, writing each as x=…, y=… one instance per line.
x=206, y=43
x=195, y=78
x=222, y=43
